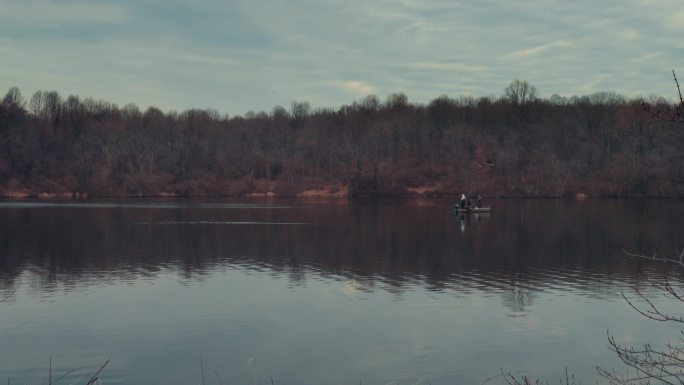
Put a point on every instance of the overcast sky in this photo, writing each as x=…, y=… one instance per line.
x=240, y=55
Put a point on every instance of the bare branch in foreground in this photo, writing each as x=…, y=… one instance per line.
x=94, y=377
x=681, y=101
x=649, y=309
x=648, y=364
x=675, y=114
x=68, y=372
x=679, y=261
x=202, y=367
x=491, y=378
x=524, y=380
x=5, y=298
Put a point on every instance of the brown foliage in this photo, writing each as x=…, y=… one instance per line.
x=517, y=145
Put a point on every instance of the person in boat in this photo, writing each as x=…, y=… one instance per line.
x=463, y=201
x=479, y=201
x=470, y=204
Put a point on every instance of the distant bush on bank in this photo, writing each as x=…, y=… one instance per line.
x=514, y=145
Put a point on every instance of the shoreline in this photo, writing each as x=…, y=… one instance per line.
x=323, y=193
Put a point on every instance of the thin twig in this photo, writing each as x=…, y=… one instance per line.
x=655, y=257
x=252, y=361
x=648, y=364
x=218, y=378
x=94, y=377
x=653, y=313
x=202, y=367
x=8, y=295
x=491, y=378
x=68, y=372
x=681, y=101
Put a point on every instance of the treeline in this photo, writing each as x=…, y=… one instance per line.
x=514, y=145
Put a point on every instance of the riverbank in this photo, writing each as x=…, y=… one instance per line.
x=309, y=189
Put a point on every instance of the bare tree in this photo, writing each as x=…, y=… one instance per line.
x=520, y=92
x=300, y=111
x=397, y=101
x=13, y=98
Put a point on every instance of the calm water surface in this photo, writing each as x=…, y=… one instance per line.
x=324, y=292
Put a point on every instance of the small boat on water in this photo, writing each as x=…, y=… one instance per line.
x=486, y=209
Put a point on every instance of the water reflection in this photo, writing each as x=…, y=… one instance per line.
x=472, y=219
x=530, y=243
x=322, y=291
x=517, y=298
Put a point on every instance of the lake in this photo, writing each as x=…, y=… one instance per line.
x=291, y=291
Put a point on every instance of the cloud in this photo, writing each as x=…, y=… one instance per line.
x=47, y=14
x=674, y=21
x=629, y=34
x=646, y=57
x=251, y=55
x=595, y=83
x=445, y=66
x=537, y=50
x=357, y=87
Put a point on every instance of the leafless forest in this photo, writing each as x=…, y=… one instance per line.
x=516, y=144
